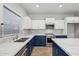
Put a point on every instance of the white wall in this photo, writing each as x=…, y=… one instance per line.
x=43, y=16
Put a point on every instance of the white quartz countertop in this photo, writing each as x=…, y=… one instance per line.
x=69, y=45
x=11, y=48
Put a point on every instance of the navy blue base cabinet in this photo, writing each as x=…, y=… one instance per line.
x=57, y=51
x=40, y=40
x=29, y=47
x=35, y=41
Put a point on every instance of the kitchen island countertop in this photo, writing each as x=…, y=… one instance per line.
x=68, y=45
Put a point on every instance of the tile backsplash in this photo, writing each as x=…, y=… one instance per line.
x=7, y=39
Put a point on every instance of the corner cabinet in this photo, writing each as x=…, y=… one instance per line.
x=26, y=22
x=38, y=24
x=59, y=24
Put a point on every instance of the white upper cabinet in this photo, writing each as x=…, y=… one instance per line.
x=26, y=22
x=72, y=19
x=50, y=21
x=59, y=24
x=38, y=24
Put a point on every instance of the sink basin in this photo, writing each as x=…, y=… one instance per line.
x=22, y=40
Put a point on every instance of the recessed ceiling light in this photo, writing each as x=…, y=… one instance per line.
x=37, y=6
x=60, y=6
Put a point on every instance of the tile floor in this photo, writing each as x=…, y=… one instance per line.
x=42, y=51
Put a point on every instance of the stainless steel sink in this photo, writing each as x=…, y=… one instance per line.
x=22, y=40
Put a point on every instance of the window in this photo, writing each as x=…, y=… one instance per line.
x=11, y=22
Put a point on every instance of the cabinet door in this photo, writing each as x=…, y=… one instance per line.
x=26, y=22
x=40, y=40
x=41, y=24
x=50, y=21
x=33, y=41
x=38, y=24
x=59, y=24
x=43, y=42
x=37, y=41
x=57, y=51
x=72, y=19
x=29, y=47
x=34, y=24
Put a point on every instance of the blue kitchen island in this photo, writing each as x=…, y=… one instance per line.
x=37, y=40
x=65, y=47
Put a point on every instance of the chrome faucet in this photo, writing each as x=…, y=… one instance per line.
x=16, y=36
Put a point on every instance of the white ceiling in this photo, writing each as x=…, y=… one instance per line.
x=50, y=8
